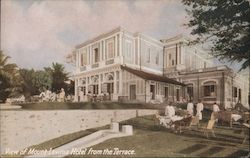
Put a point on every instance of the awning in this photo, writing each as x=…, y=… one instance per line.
x=150, y=76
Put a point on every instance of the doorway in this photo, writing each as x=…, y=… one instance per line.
x=178, y=94
x=152, y=92
x=110, y=88
x=166, y=93
x=132, y=92
x=95, y=89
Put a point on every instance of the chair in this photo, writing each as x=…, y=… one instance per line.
x=209, y=128
x=157, y=119
x=226, y=116
x=195, y=122
x=246, y=128
x=182, y=124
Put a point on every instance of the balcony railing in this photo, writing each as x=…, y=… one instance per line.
x=96, y=65
x=111, y=61
x=83, y=68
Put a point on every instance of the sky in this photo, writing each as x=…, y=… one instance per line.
x=35, y=33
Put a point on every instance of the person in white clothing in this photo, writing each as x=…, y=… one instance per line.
x=81, y=94
x=190, y=108
x=62, y=95
x=170, y=116
x=169, y=110
x=216, y=108
x=199, y=109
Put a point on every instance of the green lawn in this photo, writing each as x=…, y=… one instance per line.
x=152, y=140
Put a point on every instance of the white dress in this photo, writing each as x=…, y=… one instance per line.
x=199, y=110
x=170, y=116
x=216, y=108
x=190, y=108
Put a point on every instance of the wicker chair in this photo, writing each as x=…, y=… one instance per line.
x=209, y=128
x=246, y=128
x=195, y=122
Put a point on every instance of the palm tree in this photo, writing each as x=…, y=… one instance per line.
x=9, y=76
x=59, y=76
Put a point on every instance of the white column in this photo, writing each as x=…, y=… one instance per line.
x=76, y=95
x=116, y=43
x=120, y=82
x=120, y=47
x=100, y=46
x=115, y=83
x=139, y=51
x=77, y=58
x=90, y=62
x=99, y=84
x=104, y=49
x=87, y=51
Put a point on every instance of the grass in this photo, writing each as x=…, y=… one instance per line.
x=152, y=140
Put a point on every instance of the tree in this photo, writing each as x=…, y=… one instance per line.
x=9, y=77
x=59, y=76
x=225, y=24
x=35, y=82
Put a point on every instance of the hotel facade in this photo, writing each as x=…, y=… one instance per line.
x=133, y=67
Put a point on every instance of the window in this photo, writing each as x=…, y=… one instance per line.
x=111, y=50
x=166, y=92
x=178, y=94
x=128, y=48
x=172, y=62
x=157, y=58
x=190, y=91
x=110, y=78
x=83, y=82
x=209, y=90
x=239, y=94
x=110, y=88
x=117, y=75
x=95, y=89
x=84, y=90
x=83, y=59
x=148, y=55
x=96, y=55
x=235, y=92
x=101, y=78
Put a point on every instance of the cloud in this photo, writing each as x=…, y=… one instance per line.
x=36, y=33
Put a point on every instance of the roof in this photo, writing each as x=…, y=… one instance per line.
x=99, y=37
x=150, y=76
x=179, y=37
x=113, y=31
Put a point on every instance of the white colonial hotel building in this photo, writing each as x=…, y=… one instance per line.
x=138, y=68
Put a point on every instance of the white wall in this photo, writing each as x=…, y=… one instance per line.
x=20, y=129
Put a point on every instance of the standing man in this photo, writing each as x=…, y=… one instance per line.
x=190, y=108
x=199, y=109
x=216, y=108
x=62, y=95
x=214, y=114
x=81, y=94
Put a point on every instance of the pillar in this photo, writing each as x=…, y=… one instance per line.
x=76, y=94
x=99, y=84
x=115, y=45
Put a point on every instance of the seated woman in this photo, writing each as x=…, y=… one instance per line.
x=170, y=116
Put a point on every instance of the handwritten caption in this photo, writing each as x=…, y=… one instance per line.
x=74, y=151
